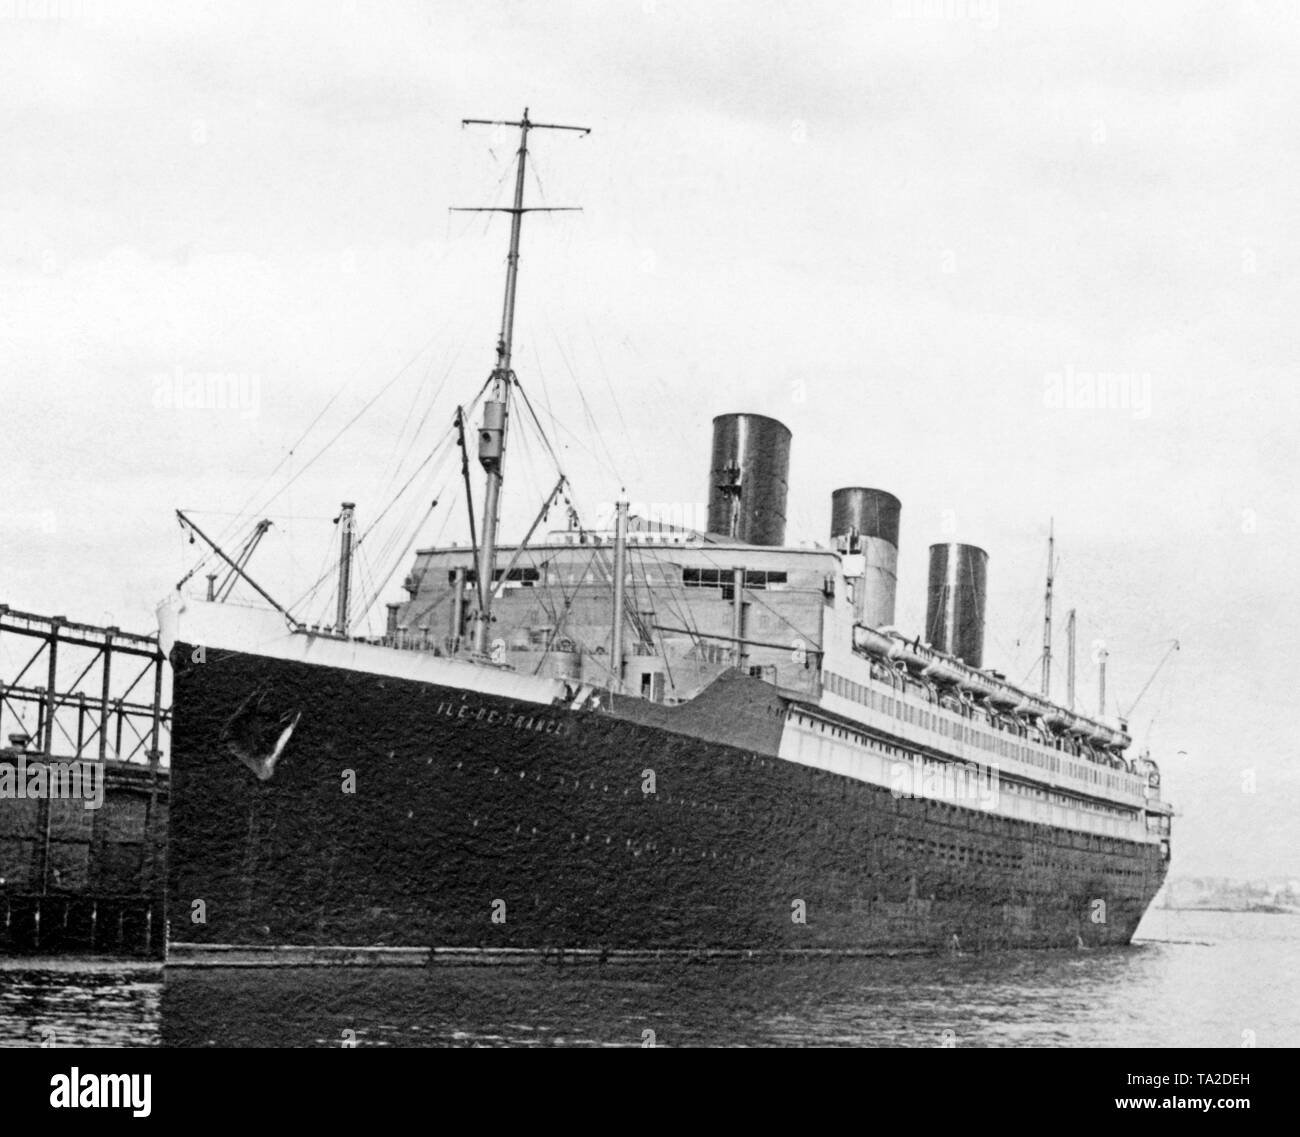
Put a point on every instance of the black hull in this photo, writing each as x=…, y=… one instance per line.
x=481, y=823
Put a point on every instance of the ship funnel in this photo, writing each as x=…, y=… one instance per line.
x=954, y=612
x=747, y=478
x=864, y=523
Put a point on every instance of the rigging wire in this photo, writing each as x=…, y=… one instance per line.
x=429, y=404
x=586, y=408
x=437, y=537
x=291, y=453
x=395, y=535
x=528, y=403
x=559, y=426
x=412, y=525
x=753, y=594
x=1032, y=668
x=288, y=454
x=559, y=617
x=383, y=513
x=368, y=586
x=1164, y=692
x=618, y=409
x=1032, y=607
x=401, y=446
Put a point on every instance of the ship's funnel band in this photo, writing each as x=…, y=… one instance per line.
x=954, y=613
x=748, y=479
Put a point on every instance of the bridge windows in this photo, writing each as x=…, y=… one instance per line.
x=723, y=578
x=527, y=577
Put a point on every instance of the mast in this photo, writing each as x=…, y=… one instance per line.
x=620, y=572
x=496, y=410
x=737, y=616
x=1047, y=612
x=346, y=527
x=1069, y=662
x=1102, y=655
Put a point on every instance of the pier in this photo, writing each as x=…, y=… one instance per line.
x=84, y=731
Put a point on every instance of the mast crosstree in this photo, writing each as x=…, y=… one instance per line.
x=496, y=410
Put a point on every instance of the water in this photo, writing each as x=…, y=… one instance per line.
x=79, y=1002
x=1190, y=979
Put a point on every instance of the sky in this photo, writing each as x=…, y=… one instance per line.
x=1013, y=262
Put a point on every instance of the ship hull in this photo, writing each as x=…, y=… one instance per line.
x=411, y=815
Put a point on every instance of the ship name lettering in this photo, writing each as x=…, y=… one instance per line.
x=513, y=719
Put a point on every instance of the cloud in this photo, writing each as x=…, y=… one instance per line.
x=909, y=222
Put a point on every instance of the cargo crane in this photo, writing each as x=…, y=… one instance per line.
x=194, y=531
x=221, y=592
x=1173, y=647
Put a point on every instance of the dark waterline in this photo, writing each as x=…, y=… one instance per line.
x=1192, y=979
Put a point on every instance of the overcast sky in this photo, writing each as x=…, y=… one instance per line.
x=916, y=232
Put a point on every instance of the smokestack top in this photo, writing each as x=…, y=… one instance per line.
x=865, y=522
x=748, y=478
x=753, y=417
x=958, y=586
x=960, y=545
x=874, y=513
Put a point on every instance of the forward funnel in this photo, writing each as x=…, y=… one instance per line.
x=748, y=479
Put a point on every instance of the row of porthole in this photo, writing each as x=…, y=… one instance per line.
x=637, y=850
x=1113, y=852
x=948, y=856
x=1036, y=844
x=944, y=806
x=577, y=784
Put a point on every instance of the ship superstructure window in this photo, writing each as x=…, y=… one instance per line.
x=723, y=578
x=525, y=576
x=1042, y=751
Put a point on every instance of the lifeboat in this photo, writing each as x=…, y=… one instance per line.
x=1056, y=718
x=1003, y=696
x=942, y=671
x=1079, y=727
x=873, y=642
x=1034, y=706
x=907, y=652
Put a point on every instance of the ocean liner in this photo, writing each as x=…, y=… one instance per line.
x=655, y=738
